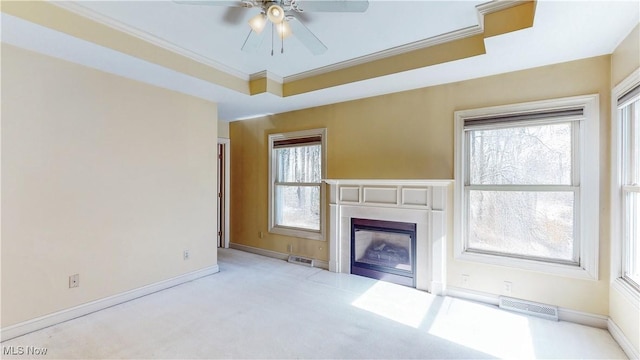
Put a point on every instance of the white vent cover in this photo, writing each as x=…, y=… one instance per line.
x=530, y=308
x=300, y=260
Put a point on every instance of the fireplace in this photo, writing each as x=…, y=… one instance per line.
x=421, y=203
x=384, y=250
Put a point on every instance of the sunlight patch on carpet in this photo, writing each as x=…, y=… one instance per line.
x=398, y=303
x=498, y=333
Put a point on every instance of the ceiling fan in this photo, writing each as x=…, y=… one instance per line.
x=282, y=14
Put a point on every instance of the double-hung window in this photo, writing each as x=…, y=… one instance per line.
x=527, y=189
x=627, y=183
x=297, y=167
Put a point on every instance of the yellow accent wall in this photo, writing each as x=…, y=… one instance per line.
x=102, y=176
x=436, y=54
x=410, y=135
x=623, y=310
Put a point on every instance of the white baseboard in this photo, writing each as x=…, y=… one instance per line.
x=584, y=318
x=42, y=322
x=574, y=316
x=622, y=340
x=259, y=251
x=274, y=254
x=322, y=264
x=472, y=295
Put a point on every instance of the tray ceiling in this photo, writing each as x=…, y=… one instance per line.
x=393, y=46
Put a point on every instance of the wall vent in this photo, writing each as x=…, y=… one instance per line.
x=530, y=308
x=301, y=260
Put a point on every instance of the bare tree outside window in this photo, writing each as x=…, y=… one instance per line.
x=527, y=186
x=297, y=189
x=297, y=168
x=525, y=155
x=520, y=197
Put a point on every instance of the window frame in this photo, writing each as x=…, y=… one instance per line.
x=618, y=236
x=586, y=177
x=273, y=163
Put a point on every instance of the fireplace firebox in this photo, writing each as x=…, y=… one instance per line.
x=384, y=250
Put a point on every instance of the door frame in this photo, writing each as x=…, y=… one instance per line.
x=227, y=159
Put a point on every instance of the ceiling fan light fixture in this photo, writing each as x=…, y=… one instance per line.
x=284, y=30
x=275, y=13
x=258, y=22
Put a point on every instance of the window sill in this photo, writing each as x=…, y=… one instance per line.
x=299, y=233
x=572, y=271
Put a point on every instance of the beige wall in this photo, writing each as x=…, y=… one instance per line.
x=101, y=176
x=409, y=135
x=623, y=310
x=626, y=57
x=625, y=314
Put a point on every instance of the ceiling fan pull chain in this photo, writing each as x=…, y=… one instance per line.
x=272, y=30
x=282, y=38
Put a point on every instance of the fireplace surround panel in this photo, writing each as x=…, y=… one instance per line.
x=422, y=203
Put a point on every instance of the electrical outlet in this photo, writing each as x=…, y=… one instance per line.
x=289, y=248
x=185, y=255
x=508, y=287
x=260, y=234
x=74, y=280
x=464, y=279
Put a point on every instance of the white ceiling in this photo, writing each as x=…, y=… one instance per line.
x=562, y=31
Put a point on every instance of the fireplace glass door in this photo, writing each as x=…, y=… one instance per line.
x=383, y=250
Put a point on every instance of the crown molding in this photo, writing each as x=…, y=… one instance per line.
x=398, y=50
x=265, y=81
x=497, y=5
x=482, y=10
x=264, y=74
x=259, y=75
x=154, y=40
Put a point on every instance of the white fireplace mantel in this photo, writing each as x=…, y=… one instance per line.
x=423, y=202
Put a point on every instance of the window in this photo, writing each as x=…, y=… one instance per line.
x=626, y=143
x=297, y=167
x=527, y=186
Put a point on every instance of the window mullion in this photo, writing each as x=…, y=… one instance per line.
x=629, y=189
x=634, y=113
x=576, y=154
x=467, y=158
x=310, y=184
x=577, y=159
x=510, y=187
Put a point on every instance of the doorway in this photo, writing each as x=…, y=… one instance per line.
x=223, y=192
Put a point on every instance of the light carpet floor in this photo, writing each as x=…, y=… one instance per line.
x=263, y=308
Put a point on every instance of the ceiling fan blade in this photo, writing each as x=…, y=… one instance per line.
x=333, y=5
x=253, y=41
x=233, y=15
x=227, y=3
x=306, y=37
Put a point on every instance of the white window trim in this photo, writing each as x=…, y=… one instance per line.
x=289, y=231
x=617, y=281
x=589, y=201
